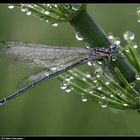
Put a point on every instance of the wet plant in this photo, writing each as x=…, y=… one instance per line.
x=114, y=82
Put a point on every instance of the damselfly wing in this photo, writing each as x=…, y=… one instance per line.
x=46, y=61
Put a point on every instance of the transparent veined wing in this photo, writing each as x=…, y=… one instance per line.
x=38, y=58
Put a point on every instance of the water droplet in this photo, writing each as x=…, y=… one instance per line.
x=132, y=84
x=55, y=5
x=135, y=46
x=46, y=12
x=68, y=90
x=78, y=36
x=114, y=58
x=95, y=81
x=103, y=96
x=138, y=20
x=54, y=68
x=120, y=94
x=99, y=62
x=75, y=7
x=117, y=41
x=11, y=6
x=89, y=63
x=67, y=6
x=84, y=99
x=129, y=35
x=29, y=13
x=138, y=10
x=23, y=9
x=137, y=77
x=125, y=104
x=111, y=95
x=98, y=87
x=107, y=83
x=55, y=24
x=68, y=78
x=84, y=79
x=87, y=47
x=103, y=105
x=34, y=5
x=110, y=36
x=89, y=90
x=127, y=49
x=46, y=74
x=88, y=75
x=63, y=87
x=97, y=74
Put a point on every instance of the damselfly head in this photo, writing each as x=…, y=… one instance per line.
x=114, y=48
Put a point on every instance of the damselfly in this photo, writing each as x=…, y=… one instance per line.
x=56, y=59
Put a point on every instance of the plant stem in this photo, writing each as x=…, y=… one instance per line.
x=96, y=37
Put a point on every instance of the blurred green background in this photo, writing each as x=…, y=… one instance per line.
x=46, y=109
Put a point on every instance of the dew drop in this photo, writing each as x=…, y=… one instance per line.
x=135, y=46
x=138, y=10
x=132, y=84
x=75, y=8
x=68, y=90
x=87, y=47
x=84, y=79
x=127, y=49
x=103, y=105
x=29, y=13
x=68, y=78
x=34, y=5
x=63, y=87
x=125, y=104
x=88, y=75
x=99, y=62
x=138, y=20
x=55, y=24
x=55, y=5
x=46, y=12
x=54, y=68
x=95, y=81
x=114, y=58
x=107, y=83
x=129, y=35
x=98, y=87
x=137, y=77
x=46, y=74
x=117, y=41
x=89, y=63
x=11, y=6
x=120, y=94
x=110, y=36
x=89, y=90
x=97, y=74
x=84, y=99
x=79, y=37
x=23, y=9
x=103, y=96
x=111, y=95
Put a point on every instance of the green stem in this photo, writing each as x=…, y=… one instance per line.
x=96, y=37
